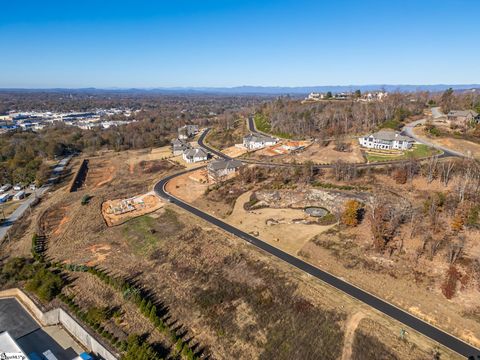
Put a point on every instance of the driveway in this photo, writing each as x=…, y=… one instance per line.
x=408, y=131
x=437, y=113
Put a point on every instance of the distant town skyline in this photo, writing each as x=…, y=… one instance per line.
x=214, y=43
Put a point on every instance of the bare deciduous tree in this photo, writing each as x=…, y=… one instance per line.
x=446, y=171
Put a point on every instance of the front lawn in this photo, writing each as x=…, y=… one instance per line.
x=417, y=151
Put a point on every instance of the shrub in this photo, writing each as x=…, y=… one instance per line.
x=85, y=199
x=457, y=223
x=400, y=176
x=45, y=284
x=98, y=314
x=18, y=269
x=449, y=286
x=351, y=214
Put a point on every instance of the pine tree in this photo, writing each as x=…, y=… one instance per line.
x=143, y=305
x=153, y=313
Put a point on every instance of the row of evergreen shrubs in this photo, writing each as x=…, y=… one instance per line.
x=47, y=284
x=130, y=292
x=133, y=347
x=145, y=304
x=37, y=248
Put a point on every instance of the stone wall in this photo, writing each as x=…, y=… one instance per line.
x=332, y=200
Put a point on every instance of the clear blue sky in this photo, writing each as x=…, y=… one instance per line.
x=123, y=43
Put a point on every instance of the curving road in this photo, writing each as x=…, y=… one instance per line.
x=408, y=131
x=386, y=308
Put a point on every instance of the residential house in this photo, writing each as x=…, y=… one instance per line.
x=258, y=141
x=179, y=146
x=195, y=155
x=463, y=117
x=187, y=131
x=386, y=140
x=222, y=169
x=315, y=96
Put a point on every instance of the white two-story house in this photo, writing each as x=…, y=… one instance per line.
x=195, y=155
x=386, y=140
x=258, y=141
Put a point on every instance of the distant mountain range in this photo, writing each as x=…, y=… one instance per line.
x=302, y=90
x=265, y=90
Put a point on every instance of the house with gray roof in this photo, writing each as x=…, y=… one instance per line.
x=179, y=146
x=258, y=141
x=187, y=131
x=463, y=117
x=221, y=168
x=386, y=140
x=195, y=155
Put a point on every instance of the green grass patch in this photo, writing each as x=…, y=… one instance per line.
x=262, y=124
x=144, y=233
x=417, y=151
x=139, y=234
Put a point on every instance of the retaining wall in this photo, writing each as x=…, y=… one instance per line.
x=80, y=176
x=60, y=316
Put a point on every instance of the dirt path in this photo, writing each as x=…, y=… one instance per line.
x=350, y=328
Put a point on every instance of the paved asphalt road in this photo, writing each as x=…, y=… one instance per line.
x=394, y=312
x=9, y=221
x=408, y=131
x=437, y=113
x=251, y=125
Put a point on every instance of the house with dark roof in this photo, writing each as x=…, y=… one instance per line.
x=187, y=131
x=195, y=155
x=463, y=117
x=258, y=141
x=386, y=140
x=179, y=146
x=221, y=168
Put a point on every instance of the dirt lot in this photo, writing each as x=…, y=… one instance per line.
x=8, y=208
x=186, y=188
x=286, y=234
x=235, y=151
x=328, y=155
x=118, y=211
x=316, y=153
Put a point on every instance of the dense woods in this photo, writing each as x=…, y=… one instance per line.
x=450, y=100
x=331, y=118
